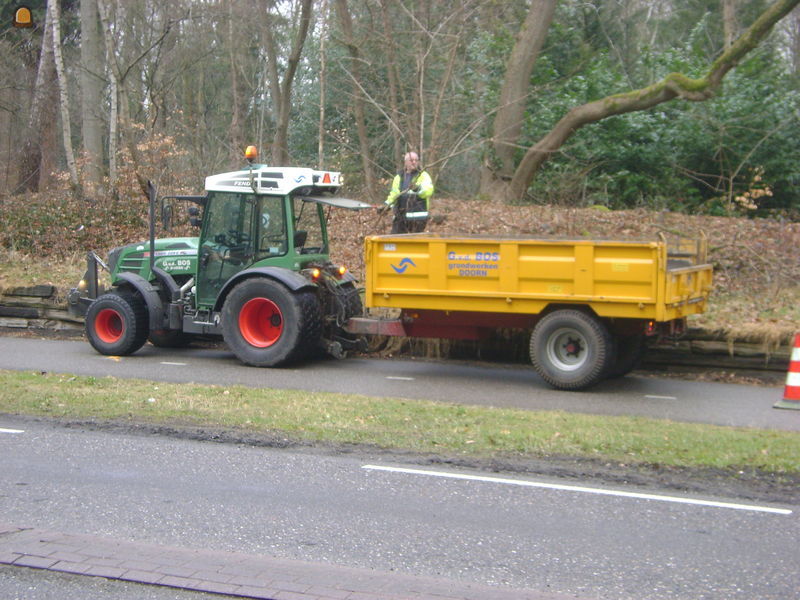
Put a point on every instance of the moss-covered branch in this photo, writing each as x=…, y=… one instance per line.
x=674, y=85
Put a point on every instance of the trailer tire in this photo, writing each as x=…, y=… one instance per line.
x=570, y=349
x=170, y=338
x=267, y=325
x=630, y=350
x=116, y=323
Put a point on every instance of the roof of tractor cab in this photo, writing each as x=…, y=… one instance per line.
x=263, y=179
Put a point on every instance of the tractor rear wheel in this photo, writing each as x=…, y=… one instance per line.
x=267, y=325
x=571, y=350
x=116, y=323
x=352, y=301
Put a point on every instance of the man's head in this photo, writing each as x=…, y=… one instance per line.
x=411, y=162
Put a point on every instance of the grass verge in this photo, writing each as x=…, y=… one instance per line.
x=402, y=424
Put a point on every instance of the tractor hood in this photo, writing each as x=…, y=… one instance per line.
x=174, y=255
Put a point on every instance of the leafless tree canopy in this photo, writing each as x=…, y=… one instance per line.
x=172, y=90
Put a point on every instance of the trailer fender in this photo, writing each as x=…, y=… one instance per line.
x=155, y=308
x=291, y=279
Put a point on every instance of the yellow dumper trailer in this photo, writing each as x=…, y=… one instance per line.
x=589, y=305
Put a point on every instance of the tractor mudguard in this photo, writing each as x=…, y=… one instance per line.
x=291, y=279
x=155, y=307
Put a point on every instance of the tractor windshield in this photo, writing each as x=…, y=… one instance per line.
x=226, y=242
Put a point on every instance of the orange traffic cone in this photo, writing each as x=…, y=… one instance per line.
x=791, y=395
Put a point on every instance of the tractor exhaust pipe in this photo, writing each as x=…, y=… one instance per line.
x=151, y=192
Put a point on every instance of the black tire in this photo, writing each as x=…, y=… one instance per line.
x=311, y=332
x=266, y=325
x=170, y=338
x=352, y=301
x=349, y=305
x=630, y=349
x=571, y=350
x=116, y=323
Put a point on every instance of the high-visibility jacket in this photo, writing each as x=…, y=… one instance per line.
x=421, y=180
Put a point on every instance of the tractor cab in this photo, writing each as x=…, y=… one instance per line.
x=262, y=217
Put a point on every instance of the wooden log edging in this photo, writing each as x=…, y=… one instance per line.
x=37, y=307
x=43, y=307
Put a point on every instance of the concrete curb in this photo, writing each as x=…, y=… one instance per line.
x=230, y=573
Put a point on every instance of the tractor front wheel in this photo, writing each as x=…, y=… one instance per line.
x=116, y=323
x=267, y=325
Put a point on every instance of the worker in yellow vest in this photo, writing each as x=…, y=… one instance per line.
x=410, y=196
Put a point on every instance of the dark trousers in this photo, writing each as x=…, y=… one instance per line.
x=400, y=224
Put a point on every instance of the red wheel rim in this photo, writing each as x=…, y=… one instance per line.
x=109, y=325
x=261, y=322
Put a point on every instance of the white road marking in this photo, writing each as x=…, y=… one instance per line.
x=399, y=378
x=11, y=430
x=650, y=397
x=581, y=489
x=173, y=364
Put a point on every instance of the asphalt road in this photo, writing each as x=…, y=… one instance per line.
x=340, y=509
x=511, y=386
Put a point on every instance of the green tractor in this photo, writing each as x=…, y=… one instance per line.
x=259, y=274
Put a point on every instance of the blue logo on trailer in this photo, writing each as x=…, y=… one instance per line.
x=403, y=266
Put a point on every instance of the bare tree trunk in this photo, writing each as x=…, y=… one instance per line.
x=358, y=104
x=92, y=84
x=124, y=102
x=236, y=119
x=729, y=23
x=323, y=38
x=394, y=84
x=113, y=120
x=36, y=159
x=794, y=28
x=516, y=82
x=435, y=148
x=53, y=14
x=280, y=143
x=673, y=86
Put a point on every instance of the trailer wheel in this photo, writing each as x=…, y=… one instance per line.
x=170, y=338
x=630, y=350
x=570, y=349
x=116, y=323
x=266, y=325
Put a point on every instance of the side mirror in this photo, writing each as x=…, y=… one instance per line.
x=166, y=215
x=194, y=216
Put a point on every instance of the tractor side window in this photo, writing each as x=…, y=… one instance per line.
x=308, y=238
x=271, y=227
